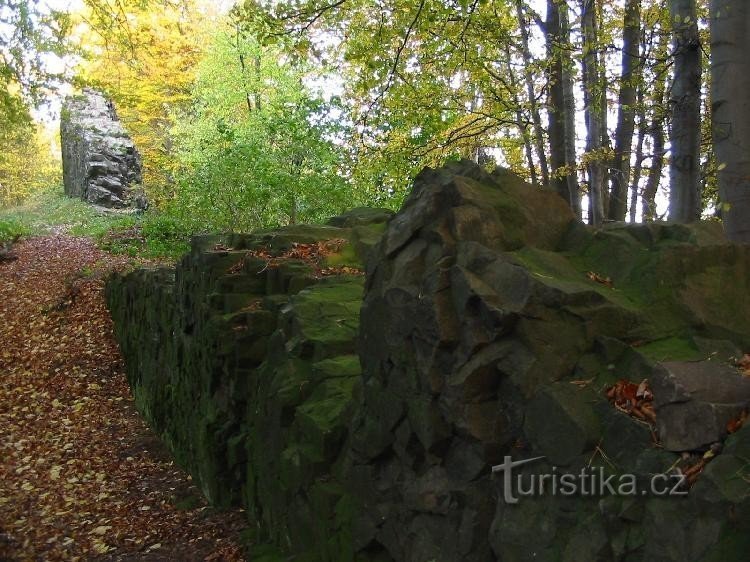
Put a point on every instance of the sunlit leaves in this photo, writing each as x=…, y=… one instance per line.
x=254, y=148
x=27, y=164
x=143, y=54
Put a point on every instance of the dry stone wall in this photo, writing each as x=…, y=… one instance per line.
x=358, y=417
x=246, y=365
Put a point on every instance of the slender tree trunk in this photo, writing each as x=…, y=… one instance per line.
x=730, y=104
x=257, y=81
x=561, y=105
x=528, y=149
x=556, y=122
x=536, y=119
x=635, y=182
x=606, y=142
x=685, y=102
x=521, y=120
x=620, y=173
x=569, y=114
x=654, y=173
x=593, y=98
x=657, y=111
x=239, y=44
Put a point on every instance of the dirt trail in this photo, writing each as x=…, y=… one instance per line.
x=81, y=476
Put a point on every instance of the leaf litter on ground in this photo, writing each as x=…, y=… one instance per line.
x=81, y=475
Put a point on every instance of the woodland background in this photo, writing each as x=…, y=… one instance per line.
x=268, y=113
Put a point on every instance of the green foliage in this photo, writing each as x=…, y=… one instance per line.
x=28, y=33
x=152, y=235
x=50, y=208
x=11, y=229
x=254, y=148
x=437, y=82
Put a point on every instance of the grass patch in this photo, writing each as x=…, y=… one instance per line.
x=44, y=211
x=149, y=235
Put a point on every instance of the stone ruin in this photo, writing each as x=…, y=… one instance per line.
x=101, y=164
x=353, y=385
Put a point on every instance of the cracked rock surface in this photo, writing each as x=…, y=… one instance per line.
x=101, y=164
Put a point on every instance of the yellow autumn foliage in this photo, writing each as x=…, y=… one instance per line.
x=143, y=55
x=29, y=163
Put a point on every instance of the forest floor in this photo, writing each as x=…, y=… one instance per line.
x=81, y=475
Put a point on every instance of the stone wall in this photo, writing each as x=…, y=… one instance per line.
x=246, y=365
x=359, y=417
x=101, y=165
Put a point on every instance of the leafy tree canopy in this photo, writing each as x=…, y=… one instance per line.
x=255, y=146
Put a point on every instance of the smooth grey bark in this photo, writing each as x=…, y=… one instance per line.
x=657, y=116
x=522, y=121
x=594, y=99
x=730, y=104
x=654, y=172
x=569, y=113
x=561, y=105
x=620, y=171
x=685, y=104
x=536, y=119
x=635, y=181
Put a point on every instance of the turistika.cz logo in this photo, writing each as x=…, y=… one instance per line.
x=591, y=481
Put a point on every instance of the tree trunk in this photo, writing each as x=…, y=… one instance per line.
x=569, y=114
x=257, y=81
x=636, y=179
x=524, y=130
x=685, y=103
x=594, y=99
x=730, y=103
x=620, y=175
x=654, y=173
x=536, y=119
x=521, y=120
x=635, y=182
x=563, y=179
x=239, y=44
x=658, y=87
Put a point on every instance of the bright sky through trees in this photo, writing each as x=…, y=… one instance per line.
x=402, y=85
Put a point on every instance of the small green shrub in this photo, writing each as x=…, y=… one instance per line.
x=10, y=229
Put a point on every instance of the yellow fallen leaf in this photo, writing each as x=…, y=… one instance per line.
x=100, y=547
x=101, y=530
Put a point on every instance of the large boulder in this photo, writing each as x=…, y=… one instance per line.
x=101, y=164
x=491, y=325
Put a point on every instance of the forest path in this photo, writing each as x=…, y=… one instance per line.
x=81, y=476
